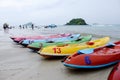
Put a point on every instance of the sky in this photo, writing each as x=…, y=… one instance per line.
x=44, y=12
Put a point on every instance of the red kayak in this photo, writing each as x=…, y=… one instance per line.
x=115, y=73
x=95, y=58
x=18, y=39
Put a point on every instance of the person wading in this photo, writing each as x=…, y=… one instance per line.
x=6, y=27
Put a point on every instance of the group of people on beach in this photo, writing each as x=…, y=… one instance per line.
x=25, y=26
x=6, y=27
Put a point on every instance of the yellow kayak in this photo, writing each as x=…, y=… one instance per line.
x=66, y=50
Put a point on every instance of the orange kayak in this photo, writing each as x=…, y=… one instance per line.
x=115, y=73
x=95, y=58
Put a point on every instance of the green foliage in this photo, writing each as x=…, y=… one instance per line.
x=77, y=21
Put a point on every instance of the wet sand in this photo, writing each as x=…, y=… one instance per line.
x=19, y=63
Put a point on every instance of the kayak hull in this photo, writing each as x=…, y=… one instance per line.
x=37, y=45
x=100, y=57
x=18, y=39
x=115, y=73
x=66, y=50
x=51, y=40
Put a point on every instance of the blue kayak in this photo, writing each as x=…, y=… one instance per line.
x=51, y=40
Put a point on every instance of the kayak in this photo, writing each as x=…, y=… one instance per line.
x=115, y=73
x=66, y=50
x=95, y=58
x=38, y=45
x=61, y=39
x=18, y=39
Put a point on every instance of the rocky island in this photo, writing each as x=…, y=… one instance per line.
x=77, y=21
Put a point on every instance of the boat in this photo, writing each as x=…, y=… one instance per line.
x=50, y=26
x=15, y=37
x=66, y=50
x=94, y=58
x=38, y=45
x=115, y=73
x=18, y=39
x=12, y=37
x=51, y=40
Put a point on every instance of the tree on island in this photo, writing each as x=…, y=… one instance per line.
x=77, y=21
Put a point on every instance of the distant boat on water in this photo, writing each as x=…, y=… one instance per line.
x=51, y=26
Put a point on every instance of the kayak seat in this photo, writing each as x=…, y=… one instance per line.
x=62, y=45
x=79, y=39
x=90, y=43
x=50, y=42
x=86, y=51
x=110, y=45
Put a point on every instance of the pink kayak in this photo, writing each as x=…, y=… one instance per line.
x=18, y=39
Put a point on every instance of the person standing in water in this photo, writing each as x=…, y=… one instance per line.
x=20, y=26
x=32, y=26
x=6, y=27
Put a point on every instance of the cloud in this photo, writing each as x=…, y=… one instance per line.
x=12, y=4
x=59, y=11
x=26, y=3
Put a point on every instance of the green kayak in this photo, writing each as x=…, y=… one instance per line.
x=38, y=45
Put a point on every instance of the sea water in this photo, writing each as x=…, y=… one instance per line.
x=112, y=31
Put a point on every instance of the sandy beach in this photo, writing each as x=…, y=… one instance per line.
x=19, y=63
